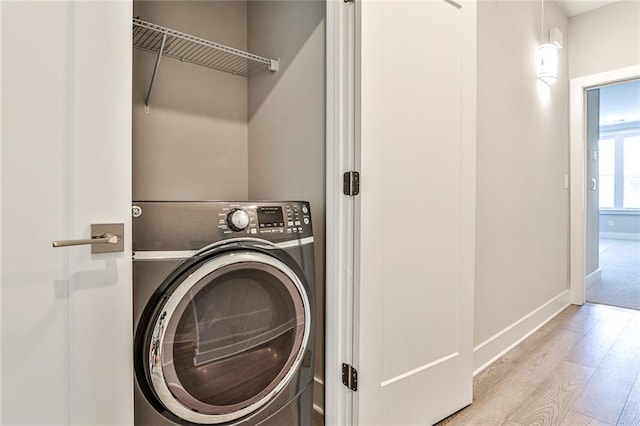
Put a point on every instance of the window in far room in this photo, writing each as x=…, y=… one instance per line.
x=619, y=164
x=631, y=172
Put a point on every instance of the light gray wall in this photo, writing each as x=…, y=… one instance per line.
x=193, y=145
x=522, y=158
x=620, y=223
x=605, y=39
x=287, y=121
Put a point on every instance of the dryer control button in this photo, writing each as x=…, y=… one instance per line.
x=238, y=220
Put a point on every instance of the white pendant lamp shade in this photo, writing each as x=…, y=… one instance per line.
x=548, y=62
x=548, y=52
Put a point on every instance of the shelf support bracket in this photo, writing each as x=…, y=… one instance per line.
x=153, y=76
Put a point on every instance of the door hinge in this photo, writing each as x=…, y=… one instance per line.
x=351, y=183
x=350, y=377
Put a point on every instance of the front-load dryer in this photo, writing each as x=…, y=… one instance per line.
x=224, y=306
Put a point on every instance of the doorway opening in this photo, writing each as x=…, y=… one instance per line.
x=613, y=196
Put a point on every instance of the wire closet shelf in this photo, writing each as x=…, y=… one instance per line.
x=188, y=48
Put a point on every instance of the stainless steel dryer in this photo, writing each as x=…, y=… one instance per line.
x=224, y=307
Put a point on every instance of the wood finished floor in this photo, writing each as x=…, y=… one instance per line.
x=581, y=368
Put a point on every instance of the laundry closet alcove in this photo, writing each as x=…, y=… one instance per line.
x=212, y=135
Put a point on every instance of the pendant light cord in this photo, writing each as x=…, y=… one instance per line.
x=542, y=22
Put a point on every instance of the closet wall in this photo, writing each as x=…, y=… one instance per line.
x=214, y=136
x=193, y=143
x=287, y=123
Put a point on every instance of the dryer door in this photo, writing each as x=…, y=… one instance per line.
x=228, y=338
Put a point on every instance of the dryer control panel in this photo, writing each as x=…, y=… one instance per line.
x=192, y=225
x=271, y=221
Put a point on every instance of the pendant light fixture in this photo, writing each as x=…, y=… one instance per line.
x=548, y=52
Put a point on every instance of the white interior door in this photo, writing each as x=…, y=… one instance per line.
x=417, y=214
x=66, y=339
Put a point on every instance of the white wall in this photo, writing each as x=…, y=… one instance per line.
x=604, y=39
x=522, y=160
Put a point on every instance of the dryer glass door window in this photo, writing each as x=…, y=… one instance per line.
x=230, y=338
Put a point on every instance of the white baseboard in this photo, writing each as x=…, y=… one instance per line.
x=593, y=278
x=493, y=348
x=620, y=235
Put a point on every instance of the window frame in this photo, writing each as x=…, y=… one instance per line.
x=618, y=132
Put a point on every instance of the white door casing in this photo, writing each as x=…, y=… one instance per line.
x=66, y=163
x=592, y=168
x=578, y=180
x=340, y=213
x=416, y=141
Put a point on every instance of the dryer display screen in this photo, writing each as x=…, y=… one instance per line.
x=270, y=217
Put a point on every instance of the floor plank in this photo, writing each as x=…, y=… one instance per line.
x=574, y=419
x=508, y=383
x=605, y=395
x=631, y=411
x=598, y=340
x=552, y=400
x=581, y=368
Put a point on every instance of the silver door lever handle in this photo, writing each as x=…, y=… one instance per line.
x=106, y=238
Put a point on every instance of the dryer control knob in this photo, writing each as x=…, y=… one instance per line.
x=238, y=220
